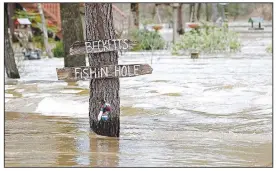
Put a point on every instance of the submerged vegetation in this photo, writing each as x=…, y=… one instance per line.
x=58, y=51
x=269, y=48
x=208, y=39
x=147, y=40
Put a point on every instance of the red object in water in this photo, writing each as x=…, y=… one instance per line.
x=193, y=25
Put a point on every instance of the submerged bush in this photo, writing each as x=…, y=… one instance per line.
x=147, y=40
x=208, y=39
x=58, y=51
x=269, y=48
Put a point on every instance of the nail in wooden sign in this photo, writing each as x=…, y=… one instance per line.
x=106, y=71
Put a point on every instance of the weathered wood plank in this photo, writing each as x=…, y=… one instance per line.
x=106, y=71
x=81, y=47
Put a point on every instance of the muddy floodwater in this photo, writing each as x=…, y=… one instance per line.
x=215, y=111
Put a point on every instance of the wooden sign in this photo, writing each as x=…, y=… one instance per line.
x=106, y=71
x=98, y=46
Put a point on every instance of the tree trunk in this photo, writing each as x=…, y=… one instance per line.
x=72, y=31
x=154, y=11
x=158, y=15
x=223, y=12
x=193, y=12
x=198, y=11
x=190, y=12
x=135, y=13
x=215, y=14
x=11, y=10
x=10, y=65
x=174, y=24
x=180, y=29
x=45, y=32
x=99, y=26
x=207, y=12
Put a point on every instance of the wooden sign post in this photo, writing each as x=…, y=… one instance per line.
x=104, y=71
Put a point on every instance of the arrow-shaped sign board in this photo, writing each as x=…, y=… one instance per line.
x=106, y=71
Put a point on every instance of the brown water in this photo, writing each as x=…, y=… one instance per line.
x=212, y=112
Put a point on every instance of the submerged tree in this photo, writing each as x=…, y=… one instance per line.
x=99, y=26
x=10, y=65
x=72, y=31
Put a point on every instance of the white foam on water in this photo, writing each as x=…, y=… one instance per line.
x=55, y=85
x=19, y=90
x=8, y=87
x=130, y=82
x=70, y=91
x=169, y=89
x=164, y=89
x=8, y=95
x=263, y=100
x=62, y=107
x=175, y=111
x=84, y=84
x=144, y=105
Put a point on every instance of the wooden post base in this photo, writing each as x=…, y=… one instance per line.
x=110, y=128
x=194, y=55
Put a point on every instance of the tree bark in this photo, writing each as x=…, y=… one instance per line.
x=180, y=29
x=45, y=32
x=11, y=9
x=193, y=12
x=198, y=11
x=207, y=12
x=99, y=26
x=190, y=12
x=174, y=24
x=223, y=13
x=215, y=14
x=72, y=31
x=10, y=65
x=135, y=13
